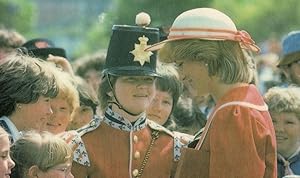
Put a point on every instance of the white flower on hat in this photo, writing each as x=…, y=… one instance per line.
x=142, y=19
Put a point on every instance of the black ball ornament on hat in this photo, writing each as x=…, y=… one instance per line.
x=126, y=55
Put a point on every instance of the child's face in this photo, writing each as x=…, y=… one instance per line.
x=28, y=121
x=59, y=120
x=82, y=115
x=6, y=163
x=287, y=128
x=59, y=171
x=293, y=72
x=161, y=107
x=135, y=93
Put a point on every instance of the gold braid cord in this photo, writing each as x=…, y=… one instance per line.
x=154, y=136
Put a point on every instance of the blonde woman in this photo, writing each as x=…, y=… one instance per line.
x=6, y=163
x=41, y=155
x=208, y=50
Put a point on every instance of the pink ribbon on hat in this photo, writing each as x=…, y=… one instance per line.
x=246, y=41
x=242, y=36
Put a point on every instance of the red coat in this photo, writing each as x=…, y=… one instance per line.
x=240, y=142
x=118, y=153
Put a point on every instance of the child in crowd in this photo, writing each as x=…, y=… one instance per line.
x=284, y=106
x=124, y=142
x=168, y=90
x=42, y=155
x=63, y=105
x=88, y=105
x=6, y=163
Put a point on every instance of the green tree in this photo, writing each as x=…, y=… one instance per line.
x=263, y=19
x=162, y=12
x=17, y=14
x=97, y=36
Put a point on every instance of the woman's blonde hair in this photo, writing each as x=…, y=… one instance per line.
x=224, y=59
x=43, y=150
x=283, y=99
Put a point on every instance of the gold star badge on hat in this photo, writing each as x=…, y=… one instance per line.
x=139, y=52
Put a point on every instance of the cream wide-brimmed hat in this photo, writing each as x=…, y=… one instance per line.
x=206, y=24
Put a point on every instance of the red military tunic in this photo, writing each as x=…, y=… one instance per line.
x=240, y=142
x=112, y=147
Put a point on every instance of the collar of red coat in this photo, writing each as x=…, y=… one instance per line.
x=119, y=122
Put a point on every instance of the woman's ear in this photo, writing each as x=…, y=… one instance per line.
x=33, y=171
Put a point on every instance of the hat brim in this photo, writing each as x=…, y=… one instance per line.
x=288, y=59
x=160, y=45
x=130, y=71
x=43, y=53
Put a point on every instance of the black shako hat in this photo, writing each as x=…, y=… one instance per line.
x=41, y=48
x=126, y=53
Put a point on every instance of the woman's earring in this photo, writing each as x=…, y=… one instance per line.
x=19, y=106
